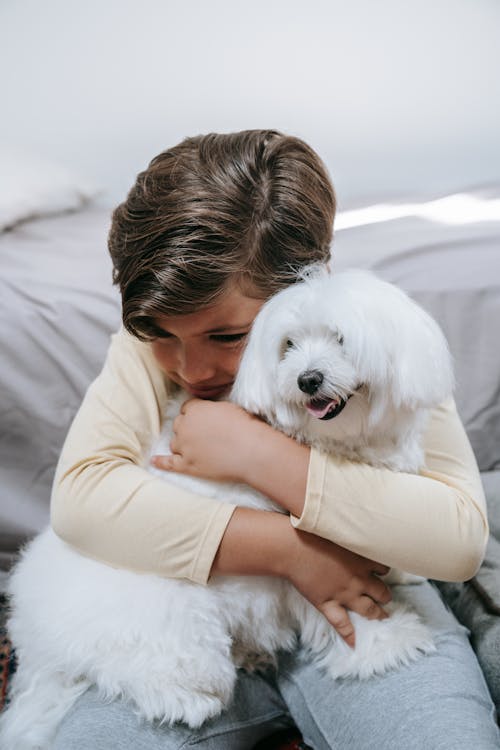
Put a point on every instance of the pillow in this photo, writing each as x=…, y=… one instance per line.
x=31, y=186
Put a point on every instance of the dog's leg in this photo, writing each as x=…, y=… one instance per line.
x=190, y=687
x=157, y=642
x=38, y=702
x=381, y=645
x=188, y=676
x=174, y=679
x=256, y=615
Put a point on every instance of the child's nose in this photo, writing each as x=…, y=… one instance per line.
x=196, y=366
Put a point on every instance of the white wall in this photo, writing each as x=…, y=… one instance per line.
x=394, y=95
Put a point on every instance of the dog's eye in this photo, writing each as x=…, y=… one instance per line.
x=340, y=338
x=286, y=345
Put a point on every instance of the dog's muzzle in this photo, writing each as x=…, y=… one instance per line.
x=326, y=408
x=322, y=408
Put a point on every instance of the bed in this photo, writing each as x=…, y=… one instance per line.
x=58, y=309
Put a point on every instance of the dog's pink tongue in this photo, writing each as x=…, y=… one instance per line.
x=319, y=407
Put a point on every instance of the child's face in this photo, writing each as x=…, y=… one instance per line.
x=201, y=351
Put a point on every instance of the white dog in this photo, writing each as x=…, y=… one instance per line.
x=344, y=362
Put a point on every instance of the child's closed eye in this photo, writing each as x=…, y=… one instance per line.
x=228, y=338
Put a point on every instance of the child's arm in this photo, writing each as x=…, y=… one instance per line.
x=104, y=501
x=433, y=524
x=332, y=578
x=106, y=504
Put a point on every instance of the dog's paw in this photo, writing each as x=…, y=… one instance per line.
x=191, y=701
x=381, y=645
x=399, y=577
x=180, y=705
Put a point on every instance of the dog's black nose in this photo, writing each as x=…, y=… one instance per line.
x=310, y=381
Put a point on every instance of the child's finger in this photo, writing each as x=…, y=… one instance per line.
x=162, y=462
x=338, y=617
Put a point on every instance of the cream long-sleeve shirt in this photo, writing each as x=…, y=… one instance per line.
x=106, y=504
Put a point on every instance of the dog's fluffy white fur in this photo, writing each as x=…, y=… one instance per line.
x=344, y=362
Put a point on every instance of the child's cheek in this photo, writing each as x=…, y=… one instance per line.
x=165, y=357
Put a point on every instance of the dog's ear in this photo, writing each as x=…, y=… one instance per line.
x=255, y=385
x=398, y=350
x=422, y=370
x=409, y=360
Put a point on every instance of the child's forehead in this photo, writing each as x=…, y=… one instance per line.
x=233, y=311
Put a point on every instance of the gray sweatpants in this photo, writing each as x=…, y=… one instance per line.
x=440, y=702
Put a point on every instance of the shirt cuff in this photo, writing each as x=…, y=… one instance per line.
x=210, y=542
x=314, y=492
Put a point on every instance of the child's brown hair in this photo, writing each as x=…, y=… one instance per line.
x=247, y=209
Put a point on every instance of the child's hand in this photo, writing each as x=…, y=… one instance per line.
x=336, y=580
x=212, y=439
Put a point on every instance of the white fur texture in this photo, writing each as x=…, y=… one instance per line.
x=173, y=647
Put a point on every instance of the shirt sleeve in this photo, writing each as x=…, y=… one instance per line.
x=104, y=501
x=432, y=524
